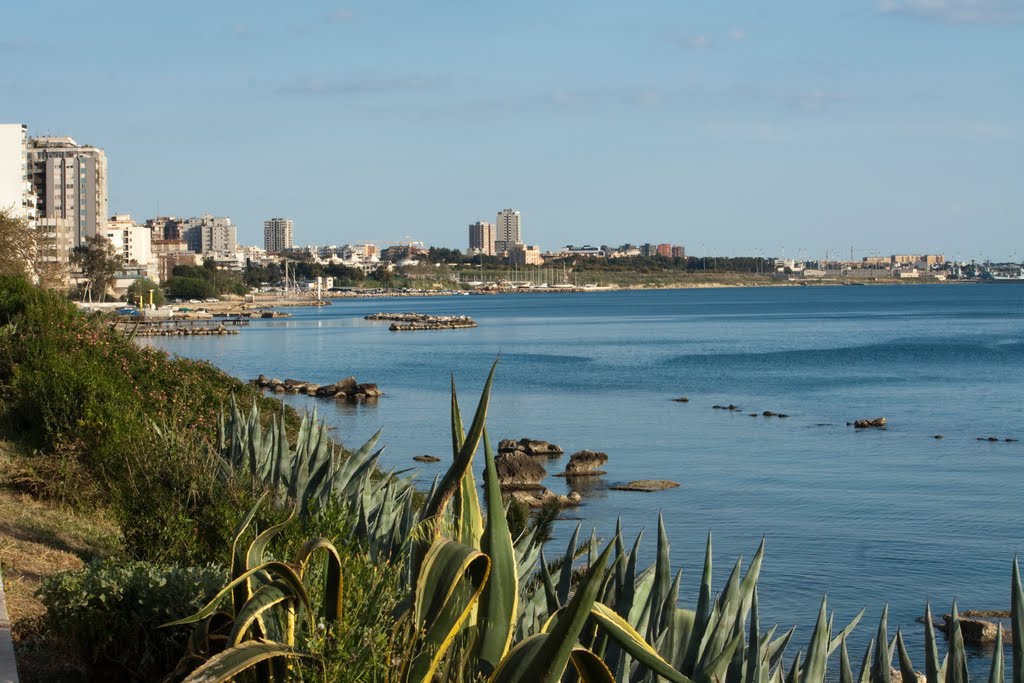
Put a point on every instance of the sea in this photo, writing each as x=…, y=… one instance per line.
x=868, y=517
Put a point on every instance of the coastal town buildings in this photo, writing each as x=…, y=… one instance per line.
x=522, y=255
x=508, y=231
x=133, y=243
x=207, y=234
x=171, y=253
x=16, y=194
x=69, y=181
x=481, y=238
x=277, y=235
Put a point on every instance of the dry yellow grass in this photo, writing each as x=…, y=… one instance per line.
x=39, y=538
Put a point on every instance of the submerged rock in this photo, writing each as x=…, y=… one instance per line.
x=647, y=485
x=867, y=424
x=426, y=458
x=544, y=496
x=681, y=399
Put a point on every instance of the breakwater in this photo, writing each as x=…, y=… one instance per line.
x=403, y=322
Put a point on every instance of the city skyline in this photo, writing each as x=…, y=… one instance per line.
x=891, y=126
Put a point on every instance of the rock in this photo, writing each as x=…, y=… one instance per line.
x=732, y=407
x=896, y=676
x=262, y=381
x=681, y=399
x=537, y=447
x=866, y=424
x=781, y=415
x=426, y=458
x=975, y=631
x=938, y=436
x=507, y=445
x=294, y=383
x=346, y=387
x=279, y=389
x=1010, y=440
x=370, y=390
x=753, y=414
x=647, y=485
x=585, y=463
x=717, y=407
x=544, y=496
x=517, y=470
x=274, y=382
x=311, y=389
x=993, y=438
x=768, y=413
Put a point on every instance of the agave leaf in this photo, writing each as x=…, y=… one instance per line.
x=565, y=575
x=715, y=669
x=883, y=655
x=254, y=556
x=1016, y=624
x=515, y=664
x=755, y=667
x=794, y=671
x=238, y=562
x=499, y=600
x=229, y=663
x=907, y=672
x=932, y=668
x=280, y=570
x=265, y=598
x=845, y=672
x=817, y=651
x=463, y=459
x=589, y=667
x=466, y=503
x=551, y=657
x=995, y=674
x=448, y=586
x=777, y=648
x=333, y=579
x=632, y=642
x=662, y=582
x=865, y=665
x=702, y=615
x=841, y=636
x=956, y=670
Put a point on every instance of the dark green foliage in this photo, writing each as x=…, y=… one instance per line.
x=141, y=288
x=189, y=288
x=518, y=517
x=109, y=613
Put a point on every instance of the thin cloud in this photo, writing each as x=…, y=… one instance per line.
x=700, y=42
x=341, y=16
x=737, y=35
x=957, y=11
x=357, y=87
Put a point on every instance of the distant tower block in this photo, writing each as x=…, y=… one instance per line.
x=277, y=235
x=481, y=238
x=508, y=232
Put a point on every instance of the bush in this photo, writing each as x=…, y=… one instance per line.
x=110, y=613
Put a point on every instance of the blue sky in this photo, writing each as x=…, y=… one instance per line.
x=729, y=127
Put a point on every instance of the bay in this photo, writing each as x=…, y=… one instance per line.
x=868, y=516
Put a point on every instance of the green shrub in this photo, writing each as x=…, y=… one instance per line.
x=109, y=612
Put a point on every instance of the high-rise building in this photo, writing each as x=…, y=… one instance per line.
x=678, y=251
x=70, y=184
x=15, y=183
x=133, y=243
x=508, y=232
x=205, y=234
x=481, y=238
x=277, y=235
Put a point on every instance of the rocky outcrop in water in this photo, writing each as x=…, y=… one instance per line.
x=517, y=470
x=585, y=463
x=647, y=485
x=426, y=458
x=530, y=447
x=878, y=422
x=347, y=388
x=419, y=321
x=536, y=499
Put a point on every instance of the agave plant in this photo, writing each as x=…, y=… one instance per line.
x=256, y=620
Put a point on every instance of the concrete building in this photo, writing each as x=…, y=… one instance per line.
x=171, y=253
x=277, y=235
x=481, y=238
x=664, y=250
x=508, y=231
x=208, y=234
x=16, y=194
x=678, y=251
x=70, y=184
x=133, y=242
x=521, y=255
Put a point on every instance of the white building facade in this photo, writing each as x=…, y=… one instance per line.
x=277, y=235
x=134, y=243
x=16, y=194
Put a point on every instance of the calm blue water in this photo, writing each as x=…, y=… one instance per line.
x=867, y=517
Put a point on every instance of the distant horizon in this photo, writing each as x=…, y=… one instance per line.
x=885, y=126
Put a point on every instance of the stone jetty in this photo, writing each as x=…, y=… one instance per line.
x=179, y=331
x=347, y=388
x=402, y=322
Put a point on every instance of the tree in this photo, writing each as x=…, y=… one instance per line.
x=17, y=245
x=143, y=287
x=97, y=261
x=189, y=288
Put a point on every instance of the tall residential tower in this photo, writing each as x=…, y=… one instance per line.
x=277, y=235
x=70, y=184
x=15, y=184
x=481, y=238
x=507, y=231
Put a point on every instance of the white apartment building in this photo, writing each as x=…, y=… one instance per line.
x=277, y=235
x=70, y=184
x=481, y=238
x=133, y=242
x=15, y=183
x=508, y=231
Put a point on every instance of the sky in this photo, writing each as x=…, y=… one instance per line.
x=797, y=129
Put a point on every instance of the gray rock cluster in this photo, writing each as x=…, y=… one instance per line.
x=347, y=388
